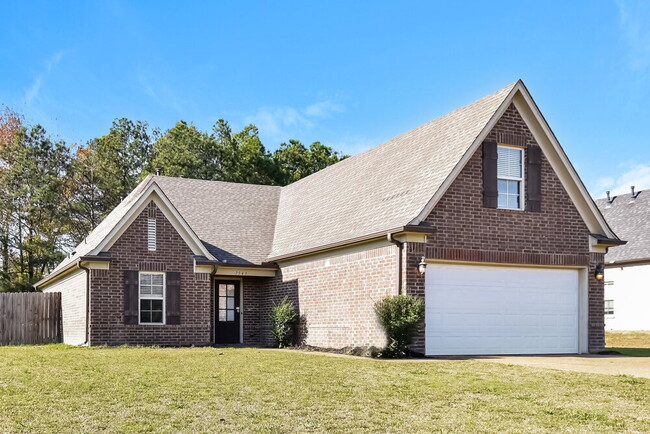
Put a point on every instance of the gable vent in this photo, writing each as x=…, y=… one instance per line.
x=151, y=235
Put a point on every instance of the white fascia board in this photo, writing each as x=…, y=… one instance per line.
x=466, y=157
x=561, y=164
x=155, y=193
x=245, y=271
x=554, y=153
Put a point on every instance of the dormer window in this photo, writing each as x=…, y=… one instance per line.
x=510, y=177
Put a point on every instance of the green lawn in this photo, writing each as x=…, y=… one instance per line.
x=636, y=344
x=58, y=388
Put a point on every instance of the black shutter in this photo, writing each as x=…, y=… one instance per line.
x=490, y=194
x=173, y=297
x=534, y=179
x=131, y=286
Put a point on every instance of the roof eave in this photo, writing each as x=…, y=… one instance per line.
x=356, y=240
x=624, y=262
x=53, y=277
x=202, y=260
x=611, y=242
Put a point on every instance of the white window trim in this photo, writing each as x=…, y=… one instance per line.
x=522, y=189
x=149, y=297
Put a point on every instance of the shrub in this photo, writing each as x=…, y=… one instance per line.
x=401, y=317
x=283, y=317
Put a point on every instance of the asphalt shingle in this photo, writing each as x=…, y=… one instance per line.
x=234, y=221
x=630, y=220
x=380, y=189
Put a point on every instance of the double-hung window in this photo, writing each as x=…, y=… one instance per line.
x=510, y=177
x=152, y=298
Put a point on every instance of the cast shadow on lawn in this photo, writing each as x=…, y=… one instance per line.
x=632, y=352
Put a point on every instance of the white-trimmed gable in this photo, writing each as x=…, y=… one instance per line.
x=154, y=193
x=525, y=105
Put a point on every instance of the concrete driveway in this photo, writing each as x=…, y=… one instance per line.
x=595, y=364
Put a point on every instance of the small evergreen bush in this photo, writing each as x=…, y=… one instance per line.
x=283, y=317
x=401, y=317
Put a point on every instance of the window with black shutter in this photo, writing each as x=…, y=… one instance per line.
x=490, y=174
x=131, y=298
x=173, y=297
x=534, y=179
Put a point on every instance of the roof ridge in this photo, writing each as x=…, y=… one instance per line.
x=215, y=181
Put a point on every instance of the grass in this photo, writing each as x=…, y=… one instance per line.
x=57, y=388
x=632, y=343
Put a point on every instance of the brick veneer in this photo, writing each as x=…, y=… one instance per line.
x=466, y=231
x=335, y=297
x=596, y=316
x=130, y=253
x=255, y=310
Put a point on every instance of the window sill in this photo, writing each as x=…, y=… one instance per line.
x=511, y=210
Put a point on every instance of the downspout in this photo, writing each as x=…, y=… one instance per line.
x=213, y=290
x=400, y=248
x=87, y=270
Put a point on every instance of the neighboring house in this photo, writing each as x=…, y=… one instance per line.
x=484, y=196
x=627, y=268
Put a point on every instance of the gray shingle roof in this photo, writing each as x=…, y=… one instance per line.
x=630, y=220
x=382, y=188
x=234, y=221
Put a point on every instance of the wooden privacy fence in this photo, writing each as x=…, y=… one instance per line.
x=30, y=318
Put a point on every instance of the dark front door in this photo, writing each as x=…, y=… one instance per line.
x=227, y=312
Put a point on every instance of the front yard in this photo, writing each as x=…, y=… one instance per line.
x=70, y=389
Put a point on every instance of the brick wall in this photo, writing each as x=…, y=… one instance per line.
x=335, y=296
x=255, y=310
x=596, y=316
x=466, y=231
x=130, y=253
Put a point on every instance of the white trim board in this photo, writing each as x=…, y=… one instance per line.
x=551, y=148
x=155, y=194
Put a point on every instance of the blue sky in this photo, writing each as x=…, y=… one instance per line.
x=350, y=74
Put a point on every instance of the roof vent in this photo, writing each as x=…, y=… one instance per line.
x=610, y=200
x=634, y=195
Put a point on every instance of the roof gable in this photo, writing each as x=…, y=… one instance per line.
x=527, y=108
x=118, y=220
x=382, y=188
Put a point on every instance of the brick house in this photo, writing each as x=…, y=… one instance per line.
x=479, y=211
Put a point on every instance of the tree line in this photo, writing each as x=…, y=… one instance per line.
x=53, y=194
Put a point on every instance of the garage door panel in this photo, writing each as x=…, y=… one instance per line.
x=500, y=310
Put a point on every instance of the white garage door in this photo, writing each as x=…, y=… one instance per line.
x=500, y=310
